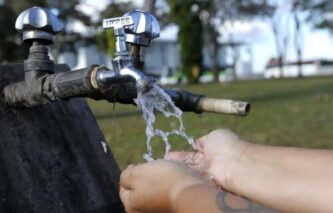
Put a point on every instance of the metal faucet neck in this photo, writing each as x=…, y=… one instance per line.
x=121, y=48
x=38, y=60
x=122, y=57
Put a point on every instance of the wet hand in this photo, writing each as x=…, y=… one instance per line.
x=154, y=186
x=217, y=156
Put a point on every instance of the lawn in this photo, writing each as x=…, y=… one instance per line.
x=289, y=112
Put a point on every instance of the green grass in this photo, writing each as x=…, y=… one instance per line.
x=288, y=112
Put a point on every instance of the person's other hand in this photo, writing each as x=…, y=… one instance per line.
x=218, y=153
x=154, y=186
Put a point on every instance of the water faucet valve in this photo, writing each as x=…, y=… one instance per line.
x=145, y=28
x=118, y=25
x=37, y=23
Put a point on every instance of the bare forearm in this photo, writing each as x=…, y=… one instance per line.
x=202, y=198
x=289, y=179
x=296, y=159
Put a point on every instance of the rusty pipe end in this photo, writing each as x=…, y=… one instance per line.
x=224, y=106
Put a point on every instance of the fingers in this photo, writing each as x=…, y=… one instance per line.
x=131, y=175
x=124, y=196
x=128, y=180
x=179, y=156
x=200, y=143
x=127, y=177
x=224, y=133
x=218, y=135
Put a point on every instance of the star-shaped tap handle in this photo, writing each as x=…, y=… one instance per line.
x=145, y=28
x=38, y=23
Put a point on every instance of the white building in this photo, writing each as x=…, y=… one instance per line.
x=290, y=69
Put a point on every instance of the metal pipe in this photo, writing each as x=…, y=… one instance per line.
x=96, y=82
x=224, y=106
x=187, y=101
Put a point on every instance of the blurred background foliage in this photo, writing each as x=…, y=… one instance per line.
x=198, y=21
x=107, y=37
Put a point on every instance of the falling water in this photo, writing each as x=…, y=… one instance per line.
x=157, y=99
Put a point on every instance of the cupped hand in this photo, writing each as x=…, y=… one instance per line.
x=154, y=186
x=217, y=156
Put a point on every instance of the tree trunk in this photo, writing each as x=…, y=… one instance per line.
x=279, y=49
x=298, y=44
x=215, y=47
x=234, y=60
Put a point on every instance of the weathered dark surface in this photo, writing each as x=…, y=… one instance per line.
x=51, y=157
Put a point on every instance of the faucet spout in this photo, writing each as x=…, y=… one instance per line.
x=134, y=73
x=143, y=83
x=104, y=79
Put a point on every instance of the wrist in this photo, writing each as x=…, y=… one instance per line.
x=230, y=169
x=186, y=200
x=180, y=190
x=241, y=170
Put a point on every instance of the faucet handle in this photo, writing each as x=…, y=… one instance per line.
x=38, y=23
x=145, y=28
x=118, y=25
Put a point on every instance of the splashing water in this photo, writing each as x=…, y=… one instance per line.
x=157, y=99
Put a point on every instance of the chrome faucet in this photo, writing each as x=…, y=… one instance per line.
x=136, y=28
x=41, y=85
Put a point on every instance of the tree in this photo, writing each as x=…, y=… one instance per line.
x=11, y=47
x=298, y=34
x=18, y=5
x=64, y=41
x=68, y=13
x=209, y=14
x=281, y=37
x=282, y=32
x=279, y=19
x=320, y=13
x=218, y=13
x=190, y=36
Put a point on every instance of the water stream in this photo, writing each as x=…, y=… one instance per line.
x=156, y=99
